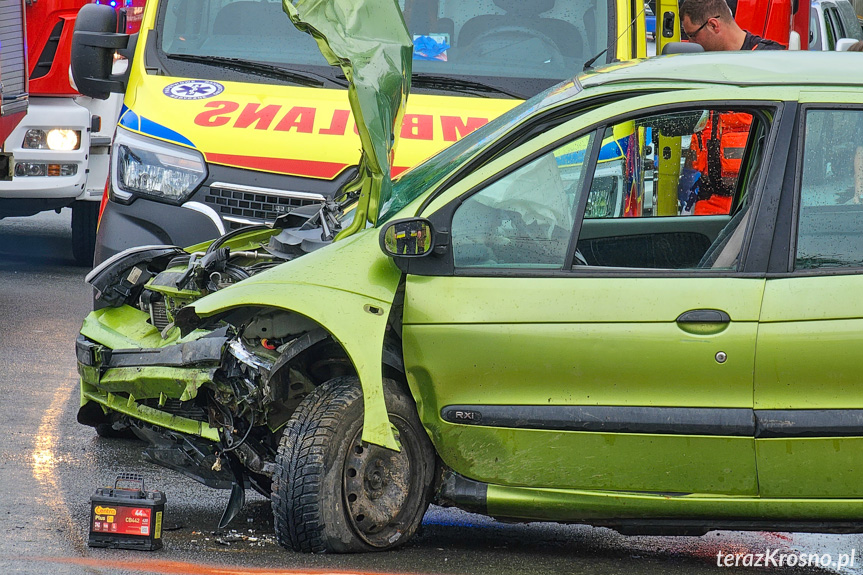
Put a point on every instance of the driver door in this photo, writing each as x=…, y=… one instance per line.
x=582, y=340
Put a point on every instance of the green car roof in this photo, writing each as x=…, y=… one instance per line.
x=761, y=68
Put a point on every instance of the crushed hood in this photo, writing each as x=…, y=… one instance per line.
x=370, y=42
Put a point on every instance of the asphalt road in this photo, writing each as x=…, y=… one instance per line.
x=50, y=465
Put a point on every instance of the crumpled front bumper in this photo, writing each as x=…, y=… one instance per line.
x=121, y=380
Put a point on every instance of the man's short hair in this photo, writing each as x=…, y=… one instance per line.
x=700, y=11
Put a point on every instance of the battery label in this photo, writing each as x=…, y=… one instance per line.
x=122, y=520
x=158, y=533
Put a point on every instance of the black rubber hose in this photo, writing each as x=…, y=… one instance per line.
x=218, y=242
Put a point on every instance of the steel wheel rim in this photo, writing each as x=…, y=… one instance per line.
x=377, y=484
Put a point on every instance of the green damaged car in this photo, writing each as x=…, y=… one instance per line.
x=560, y=317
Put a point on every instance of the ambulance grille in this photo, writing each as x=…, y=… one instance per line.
x=242, y=207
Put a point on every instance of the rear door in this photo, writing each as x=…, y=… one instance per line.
x=808, y=394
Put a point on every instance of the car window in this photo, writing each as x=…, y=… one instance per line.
x=814, y=29
x=830, y=223
x=524, y=219
x=833, y=34
x=665, y=192
x=838, y=24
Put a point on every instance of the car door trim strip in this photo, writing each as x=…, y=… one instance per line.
x=733, y=422
x=736, y=422
x=791, y=423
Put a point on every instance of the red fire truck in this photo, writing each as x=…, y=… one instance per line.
x=13, y=73
x=60, y=147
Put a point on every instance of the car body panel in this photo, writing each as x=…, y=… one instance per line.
x=148, y=414
x=732, y=69
x=124, y=328
x=353, y=305
x=608, y=507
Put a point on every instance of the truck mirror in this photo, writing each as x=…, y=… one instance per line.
x=843, y=44
x=93, y=45
x=412, y=237
x=794, y=40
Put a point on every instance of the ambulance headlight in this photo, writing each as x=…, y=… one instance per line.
x=160, y=171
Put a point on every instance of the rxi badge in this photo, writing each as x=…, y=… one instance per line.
x=193, y=90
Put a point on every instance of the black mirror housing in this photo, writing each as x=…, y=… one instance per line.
x=93, y=45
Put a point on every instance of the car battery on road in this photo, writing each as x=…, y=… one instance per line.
x=126, y=516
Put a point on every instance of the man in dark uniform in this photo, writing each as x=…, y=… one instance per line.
x=711, y=24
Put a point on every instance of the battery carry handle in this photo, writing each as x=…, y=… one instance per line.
x=129, y=478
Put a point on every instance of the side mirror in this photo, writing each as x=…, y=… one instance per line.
x=843, y=44
x=681, y=48
x=411, y=238
x=93, y=45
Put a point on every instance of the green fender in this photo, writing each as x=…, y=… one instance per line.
x=348, y=288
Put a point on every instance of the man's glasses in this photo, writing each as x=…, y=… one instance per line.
x=700, y=28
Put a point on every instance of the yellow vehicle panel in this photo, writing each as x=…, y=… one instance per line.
x=248, y=125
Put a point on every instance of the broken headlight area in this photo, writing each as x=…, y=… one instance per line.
x=161, y=280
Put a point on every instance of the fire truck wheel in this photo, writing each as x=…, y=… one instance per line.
x=332, y=492
x=85, y=216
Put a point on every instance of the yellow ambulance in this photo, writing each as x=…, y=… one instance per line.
x=233, y=117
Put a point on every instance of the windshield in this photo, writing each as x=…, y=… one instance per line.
x=488, y=48
x=413, y=183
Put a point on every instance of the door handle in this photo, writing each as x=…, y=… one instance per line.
x=704, y=316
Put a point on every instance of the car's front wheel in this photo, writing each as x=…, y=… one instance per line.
x=334, y=493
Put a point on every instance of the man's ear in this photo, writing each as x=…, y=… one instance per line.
x=716, y=25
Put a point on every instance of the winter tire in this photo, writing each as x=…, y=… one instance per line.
x=334, y=493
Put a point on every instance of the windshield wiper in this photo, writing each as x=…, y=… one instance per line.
x=307, y=79
x=457, y=84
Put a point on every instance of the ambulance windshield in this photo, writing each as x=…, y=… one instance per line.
x=485, y=48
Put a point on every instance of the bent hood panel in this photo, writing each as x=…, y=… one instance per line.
x=295, y=130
